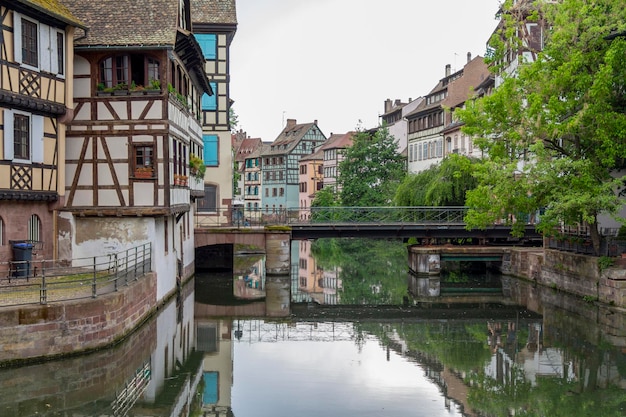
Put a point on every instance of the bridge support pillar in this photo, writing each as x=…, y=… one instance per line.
x=277, y=252
x=277, y=295
x=425, y=285
x=424, y=260
x=424, y=268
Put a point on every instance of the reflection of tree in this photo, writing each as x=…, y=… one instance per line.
x=373, y=271
x=461, y=347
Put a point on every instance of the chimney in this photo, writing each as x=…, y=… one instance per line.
x=315, y=122
x=387, y=105
x=397, y=102
x=469, y=57
x=448, y=69
x=291, y=123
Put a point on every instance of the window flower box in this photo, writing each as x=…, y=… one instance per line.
x=196, y=167
x=180, y=180
x=144, y=172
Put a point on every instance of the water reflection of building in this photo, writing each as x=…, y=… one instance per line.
x=531, y=357
x=450, y=383
x=215, y=343
x=174, y=375
x=250, y=277
x=321, y=284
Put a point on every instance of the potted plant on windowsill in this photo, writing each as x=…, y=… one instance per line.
x=144, y=172
x=120, y=89
x=196, y=167
x=180, y=179
x=154, y=87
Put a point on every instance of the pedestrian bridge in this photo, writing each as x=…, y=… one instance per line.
x=435, y=223
x=274, y=232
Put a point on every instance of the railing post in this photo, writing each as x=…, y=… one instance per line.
x=126, y=268
x=117, y=277
x=94, y=290
x=136, y=259
x=43, y=296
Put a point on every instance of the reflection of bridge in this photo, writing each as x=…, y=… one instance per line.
x=254, y=331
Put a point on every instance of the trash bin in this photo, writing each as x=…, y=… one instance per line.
x=22, y=255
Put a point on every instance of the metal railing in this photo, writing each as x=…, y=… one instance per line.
x=46, y=281
x=242, y=217
x=381, y=215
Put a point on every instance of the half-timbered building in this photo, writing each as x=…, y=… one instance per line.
x=214, y=26
x=138, y=83
x=280, y=165
x=35, y=99
x=427, y=123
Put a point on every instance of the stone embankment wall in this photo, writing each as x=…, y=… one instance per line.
x=34, y=332
x=575, y=274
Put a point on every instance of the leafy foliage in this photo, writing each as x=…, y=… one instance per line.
x=556, y=133
x=233, y=119
x=371, y=170
x=443, y=184
x=366, y=280
x=326, y=197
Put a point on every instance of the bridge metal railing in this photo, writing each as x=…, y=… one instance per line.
x=45, y=281
x=241, y=217
x=574, y=238
x=381, y=215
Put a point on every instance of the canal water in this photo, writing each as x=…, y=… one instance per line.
x=342, y=336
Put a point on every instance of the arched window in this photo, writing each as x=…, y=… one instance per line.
x=34, y=228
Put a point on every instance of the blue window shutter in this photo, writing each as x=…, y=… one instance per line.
x=210, y=102
x=211, y=385
x=211, y=149
x=208, y=44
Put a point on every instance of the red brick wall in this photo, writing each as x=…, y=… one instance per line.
x=15, y=216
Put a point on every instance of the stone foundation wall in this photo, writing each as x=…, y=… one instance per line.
x=575, y=274
x=46, y=387
x=32, y=332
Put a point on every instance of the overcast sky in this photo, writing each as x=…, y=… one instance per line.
x=336, y=61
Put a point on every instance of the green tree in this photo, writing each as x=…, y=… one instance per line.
x=324, y=198
x=371, y=170
x=556, y=133
x=233, y=119
x=443, y=184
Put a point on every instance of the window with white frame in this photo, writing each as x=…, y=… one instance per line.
x=39, y=46
x=23, y=134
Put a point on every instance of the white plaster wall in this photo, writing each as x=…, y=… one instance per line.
x=165, y=263
x=103, y=236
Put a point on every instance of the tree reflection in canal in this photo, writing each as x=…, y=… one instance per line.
x=370, y=271
x=539, y=353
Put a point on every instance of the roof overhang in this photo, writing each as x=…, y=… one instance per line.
x=46, y=14
x=191, y=55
